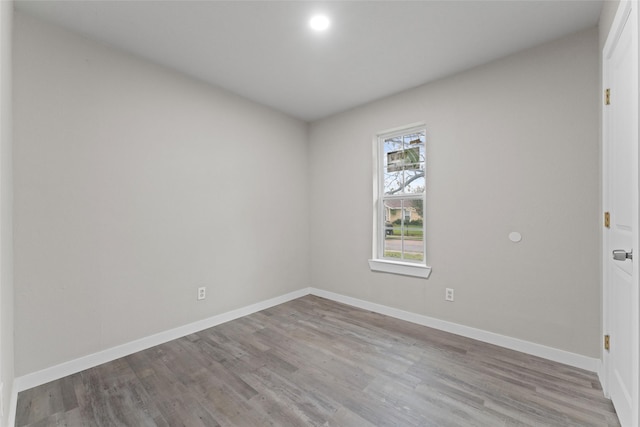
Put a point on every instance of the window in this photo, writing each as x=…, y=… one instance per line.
x=407, y=215
x=399, y=223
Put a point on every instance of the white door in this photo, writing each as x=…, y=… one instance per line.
x=620, y=134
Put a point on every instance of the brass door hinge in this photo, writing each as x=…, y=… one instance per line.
x=607, y=96
x=607, y=219
x=607, y=342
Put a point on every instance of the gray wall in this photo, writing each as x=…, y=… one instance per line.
x=511, y=146
x=133, y=187
x=6, y=207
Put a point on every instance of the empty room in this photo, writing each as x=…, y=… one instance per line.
x=301, y=213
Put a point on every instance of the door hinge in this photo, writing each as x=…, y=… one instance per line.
x=607, y=96
x=607, y=219
x=607, y=342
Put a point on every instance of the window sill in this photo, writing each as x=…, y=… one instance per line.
x=403, y=268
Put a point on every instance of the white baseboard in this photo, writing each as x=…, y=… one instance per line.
x=62, y=370
x=550, y=353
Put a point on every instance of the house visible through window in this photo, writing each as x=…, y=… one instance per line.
x=400, y=202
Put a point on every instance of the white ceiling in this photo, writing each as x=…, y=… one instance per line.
x=265, y=51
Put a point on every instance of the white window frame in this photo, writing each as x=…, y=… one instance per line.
x=378, y=262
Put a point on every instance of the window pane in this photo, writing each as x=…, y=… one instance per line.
x=414, y=181
x=404, y=160
x=404, y=230
x=393, y=171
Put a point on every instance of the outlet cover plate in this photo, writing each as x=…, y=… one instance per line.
x=448, y=294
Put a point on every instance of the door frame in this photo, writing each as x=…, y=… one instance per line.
x=625, y=8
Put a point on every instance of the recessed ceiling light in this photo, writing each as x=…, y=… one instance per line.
x=319, y=22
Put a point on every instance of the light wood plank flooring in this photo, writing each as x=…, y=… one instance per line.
x=314, y=362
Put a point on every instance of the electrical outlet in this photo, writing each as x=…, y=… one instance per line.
x=202, y=293
x=448, y=294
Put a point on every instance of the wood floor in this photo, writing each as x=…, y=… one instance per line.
x=314, y=362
